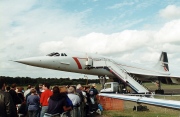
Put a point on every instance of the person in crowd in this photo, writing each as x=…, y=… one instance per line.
x=63, y=91
x=87, y=100
x=79, y=92
x=33, y=103
x=38, y=90
x=93, y=88
x=8, y=88
x=41, y=88
x=79, y=89
x=73, y=97
x=7, y=107
x=69, y=107
x=73, y=87
x=21, y=98
x=56, y=103
x=23, y=107
x=20, y=93
x=44, y=98
x=27, y=91
x=67, y=86
x=93, y=93
x=16, y=99
x=75, y=100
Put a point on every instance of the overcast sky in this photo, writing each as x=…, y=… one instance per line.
x=131, y=30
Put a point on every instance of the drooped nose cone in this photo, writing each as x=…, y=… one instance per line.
x=30, y=61
x=43, y=61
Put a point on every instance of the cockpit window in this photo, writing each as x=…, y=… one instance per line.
x=56, y=54
x=53, y=54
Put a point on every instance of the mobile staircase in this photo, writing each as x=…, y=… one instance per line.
x=120, y=73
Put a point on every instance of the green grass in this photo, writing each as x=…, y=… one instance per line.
x=154, y=111
x=163, y=86
x=130, y=113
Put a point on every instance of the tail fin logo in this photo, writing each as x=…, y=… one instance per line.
x=165, y=68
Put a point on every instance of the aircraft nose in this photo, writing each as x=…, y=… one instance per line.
x=34, y=61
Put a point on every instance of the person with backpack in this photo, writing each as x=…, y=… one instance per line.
x=93, y=99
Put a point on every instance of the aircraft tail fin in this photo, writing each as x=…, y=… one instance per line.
x=162, y=64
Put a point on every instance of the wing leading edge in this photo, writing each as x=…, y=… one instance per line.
x=157, y=102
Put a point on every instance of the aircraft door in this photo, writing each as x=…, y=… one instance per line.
x=89, y=62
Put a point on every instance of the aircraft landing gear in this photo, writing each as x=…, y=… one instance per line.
x=102, y=81
x=159, y=91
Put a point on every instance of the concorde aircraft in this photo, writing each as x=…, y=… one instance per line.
x=94, y=64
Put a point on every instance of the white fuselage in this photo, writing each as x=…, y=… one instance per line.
x=76, y=62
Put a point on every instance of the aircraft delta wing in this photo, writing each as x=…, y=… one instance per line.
x=145, y=100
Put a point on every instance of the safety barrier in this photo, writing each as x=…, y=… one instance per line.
x=111, y=103
x=64, y=114
x=76, y=112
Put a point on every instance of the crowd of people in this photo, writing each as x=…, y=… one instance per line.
x=45, y=101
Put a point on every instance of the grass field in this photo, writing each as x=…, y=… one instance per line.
x=163, y=86
x=154, y=111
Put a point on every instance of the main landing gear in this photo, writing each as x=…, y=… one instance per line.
x=102, y=81
x=159, y=91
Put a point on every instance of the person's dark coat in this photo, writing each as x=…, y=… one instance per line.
x=7, y=108
x=16, y=99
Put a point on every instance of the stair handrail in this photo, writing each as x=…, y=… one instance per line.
x=124, y=70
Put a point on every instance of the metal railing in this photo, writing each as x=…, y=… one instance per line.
x=127, y=74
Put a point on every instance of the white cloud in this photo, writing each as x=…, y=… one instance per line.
x=26, y=28
x=33, y=29
x=119, y=5
x=170, y=12
x=102, y=43
x=129, y=45
x=51, y=46
x=169, y=33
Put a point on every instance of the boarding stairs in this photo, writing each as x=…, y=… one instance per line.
x=120, y=73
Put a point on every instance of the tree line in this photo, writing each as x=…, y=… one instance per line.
x=22, y=81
